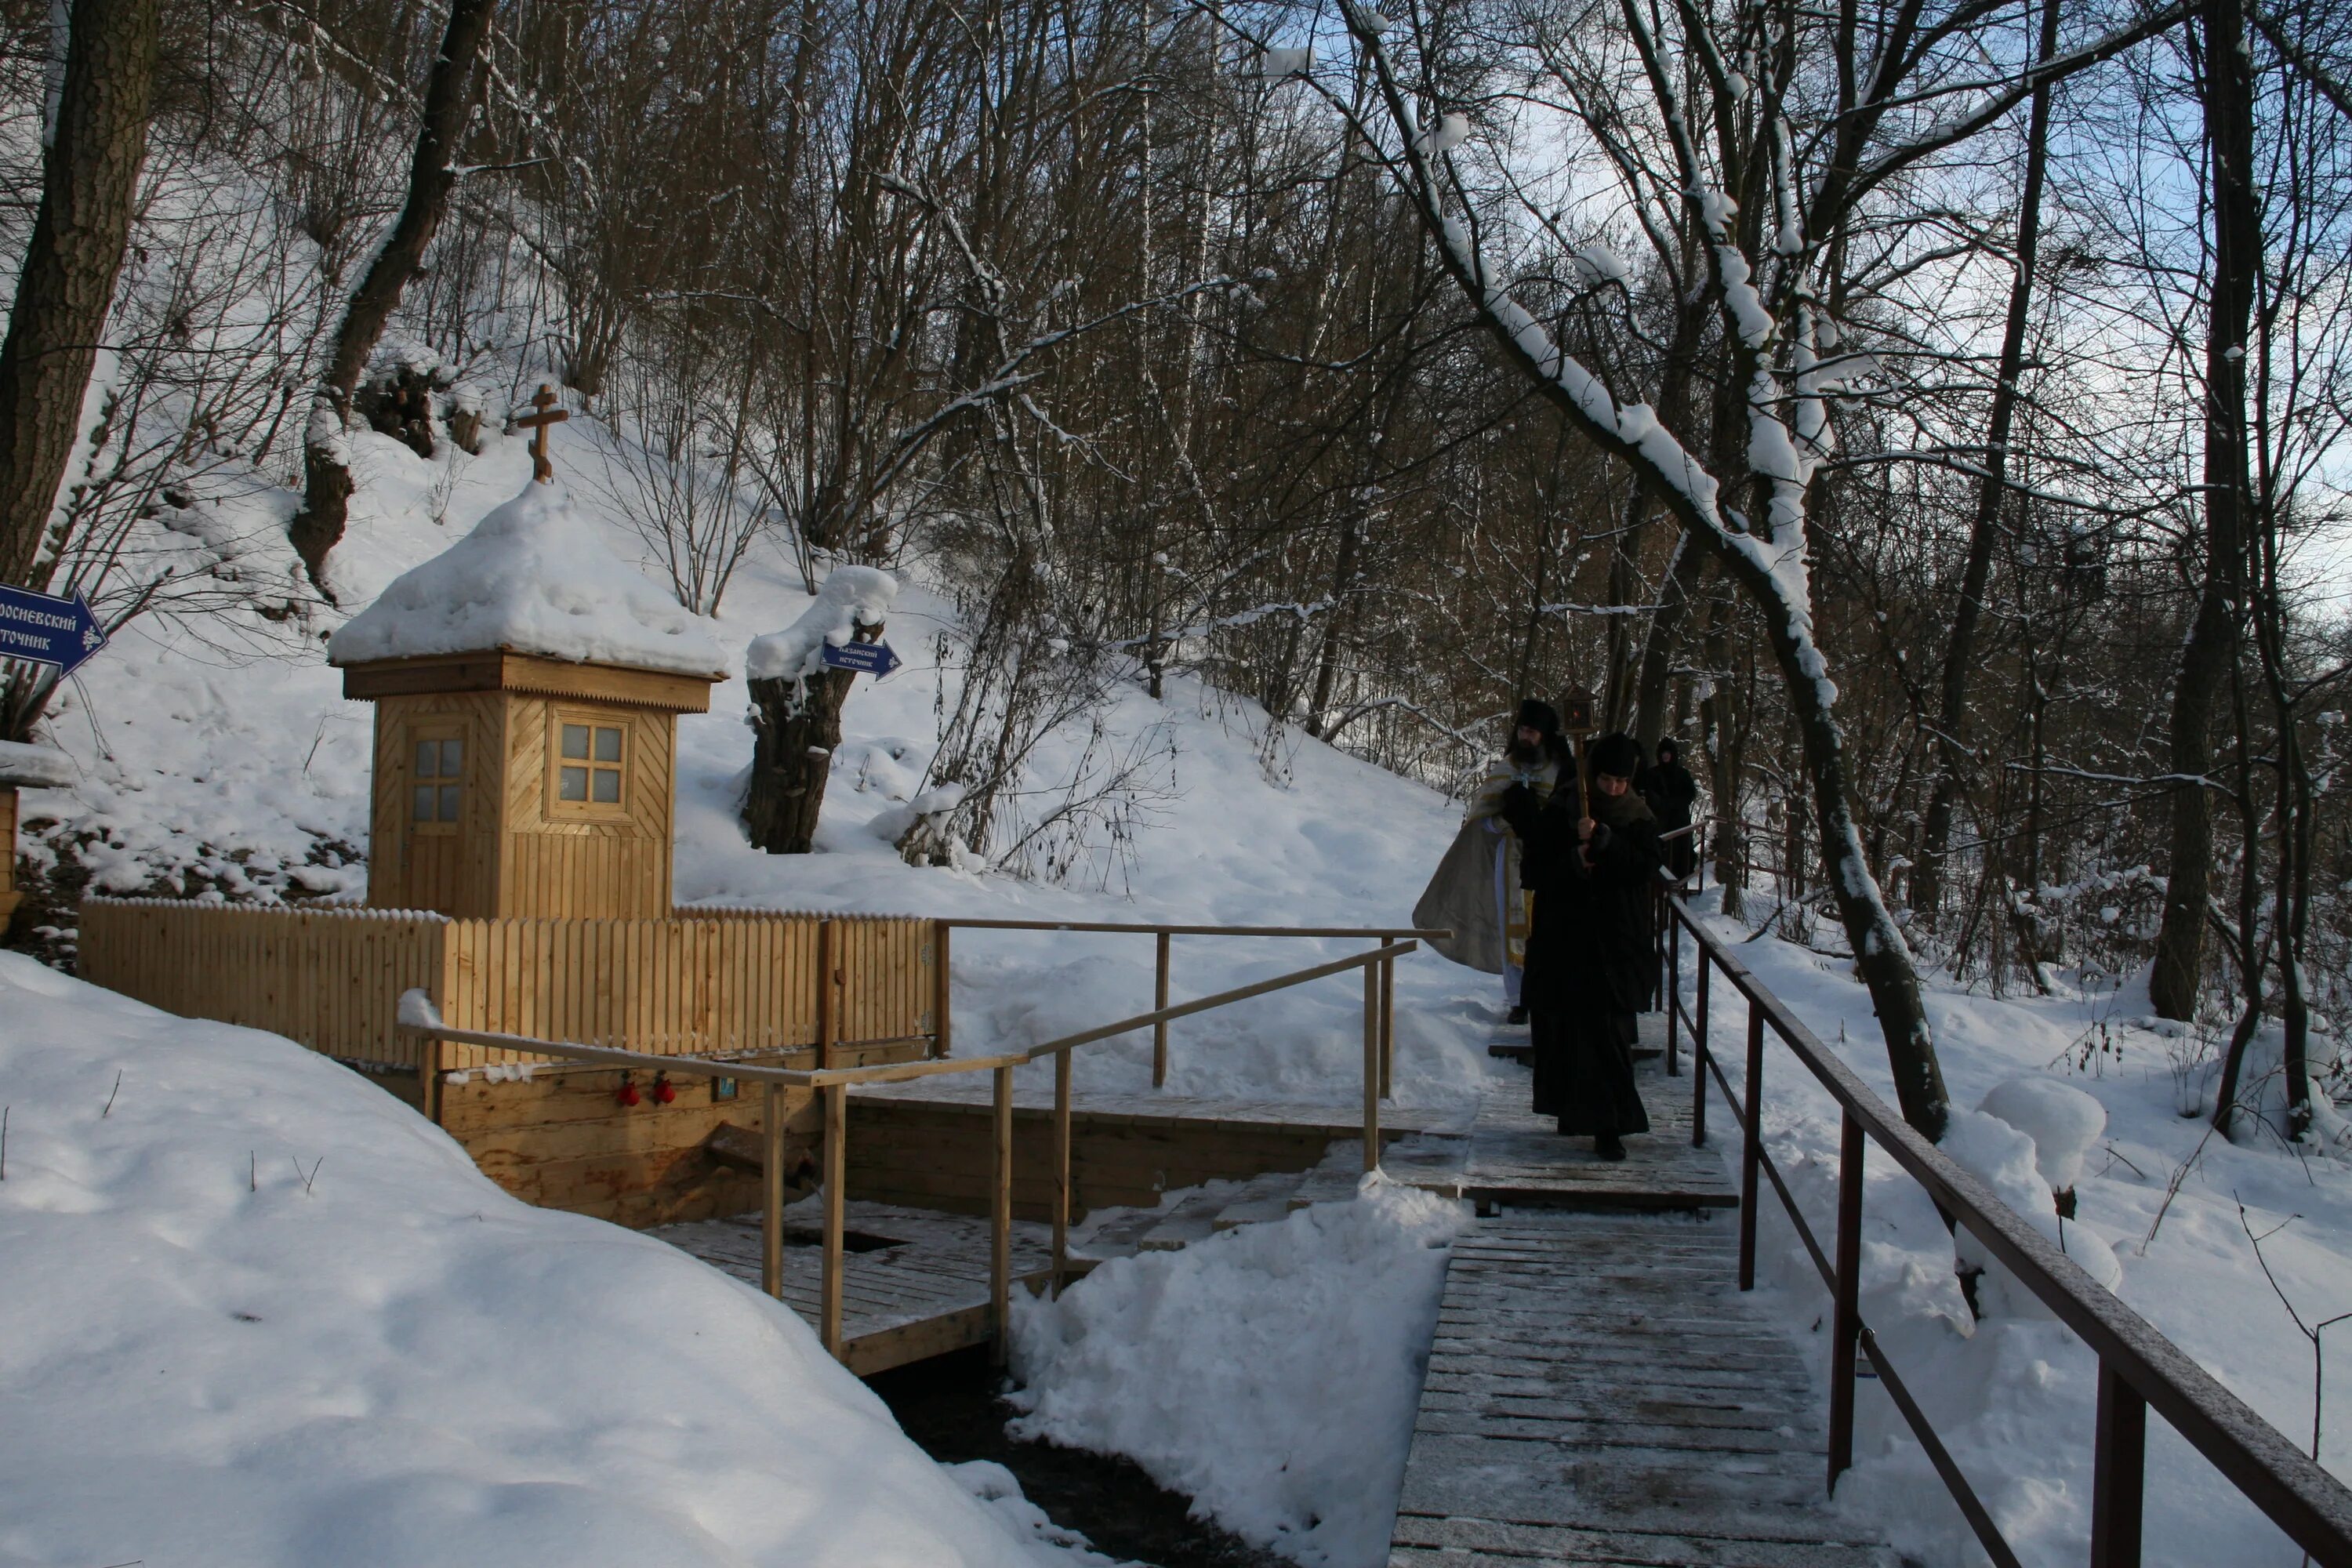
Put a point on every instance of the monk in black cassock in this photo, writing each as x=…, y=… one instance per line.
x=1671, y=792
x=1589, y=952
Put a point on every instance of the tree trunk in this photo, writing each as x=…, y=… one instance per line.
x=1685, y=569
x=792, y=757
x=2205, y=658
x=317, y=527
x=1960, y=652
x=90, y=183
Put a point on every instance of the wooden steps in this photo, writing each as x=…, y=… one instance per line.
x=924, y=1293
x=1517, y=1157
x=1598, y=1390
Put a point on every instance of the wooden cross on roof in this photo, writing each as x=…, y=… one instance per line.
x=537, y=423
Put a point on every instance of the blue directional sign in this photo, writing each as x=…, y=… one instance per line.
x=47, y=629
x=866, y=657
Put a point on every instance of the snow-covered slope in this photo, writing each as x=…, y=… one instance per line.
x=259, y=1313
x=250, y=776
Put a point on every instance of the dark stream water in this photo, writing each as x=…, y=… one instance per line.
x=950, y=1405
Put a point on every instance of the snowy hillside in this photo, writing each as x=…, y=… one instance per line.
x=249, y=777
x=260, y=1314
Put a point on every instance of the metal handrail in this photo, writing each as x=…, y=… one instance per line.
x=2139, y=1366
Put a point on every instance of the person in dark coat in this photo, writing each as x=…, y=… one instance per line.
x=1671, y=792
x=1589, y=952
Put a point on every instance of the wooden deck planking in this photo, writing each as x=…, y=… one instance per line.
x=925, y=1295
x=1519, y=1158
x=1599, y=1392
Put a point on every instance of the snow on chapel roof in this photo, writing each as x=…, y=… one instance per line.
x=532, y=577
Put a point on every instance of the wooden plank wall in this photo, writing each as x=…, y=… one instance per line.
x=562, y=1139
x=565, y=867
x=730, y=983
x=930, y=1155
x=692, y=985
x=330, y=979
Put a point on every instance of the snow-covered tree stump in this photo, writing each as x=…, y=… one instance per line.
x=796, y=702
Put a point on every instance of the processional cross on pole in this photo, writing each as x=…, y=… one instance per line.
x=537, y=423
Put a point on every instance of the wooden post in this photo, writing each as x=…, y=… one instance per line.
x=1000, y=1223
x=1061, y=1166
x=771, y=1189
x=1751, y=1146
x=1698, y=1057
x=942, y=1001
x=1371, y=1068
x=1160, y=1030
x=429, y=1058
x=1387, y=1027
x=827, y=1023
x=836, y=1166
x=2118, y=1473
x=1845, y=1325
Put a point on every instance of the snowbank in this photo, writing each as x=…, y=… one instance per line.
x=2013, y=1395
x=260, y=1315
x=35, y=767
x=1269, y=1372
x=532, y=577
x=851, y=597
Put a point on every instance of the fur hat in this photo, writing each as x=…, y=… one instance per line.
x=1617, y=755
x=1538, y=716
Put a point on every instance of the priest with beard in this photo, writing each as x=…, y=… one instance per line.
x=1592, y=863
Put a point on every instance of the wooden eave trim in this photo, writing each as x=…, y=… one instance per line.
x=503, y=670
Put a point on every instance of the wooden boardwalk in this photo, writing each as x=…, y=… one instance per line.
x=915, y=1283
x=1519, y=1157
x=1599, y=1391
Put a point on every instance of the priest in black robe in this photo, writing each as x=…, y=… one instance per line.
x=1589, y=958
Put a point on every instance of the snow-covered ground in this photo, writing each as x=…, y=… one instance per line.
x=259, y=1313
x=203, y=763
x=2013, y=1395
x=1270, y=1374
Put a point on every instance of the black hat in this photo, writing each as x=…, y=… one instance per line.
x=1538, y=716
x=1670, y=749
x=1616, y=756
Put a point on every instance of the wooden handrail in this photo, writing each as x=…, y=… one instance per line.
x=2139, y=1367
x=1144, y=928
x=418, y=1014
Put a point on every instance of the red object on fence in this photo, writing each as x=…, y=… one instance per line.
x=664, y=1093
x=627, y=1093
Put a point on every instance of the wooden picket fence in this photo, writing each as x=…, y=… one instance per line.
x=707, y=983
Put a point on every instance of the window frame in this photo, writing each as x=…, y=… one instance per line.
x=435, y=729
x=559, y=809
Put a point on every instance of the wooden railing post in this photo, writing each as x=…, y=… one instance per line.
x=1751, y=1146
x=1061, y=1167
x=1387, y=1027
x=2118, y=1473
x=1000, y=1223
x=828, y=1021
x=942, y=995
x=1673, y=938
x=1699, y=1056
x=771, y=1189
x=1160, y=1030
x=1845, y=1323
x=1371, y=1068
x=836, y=1167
